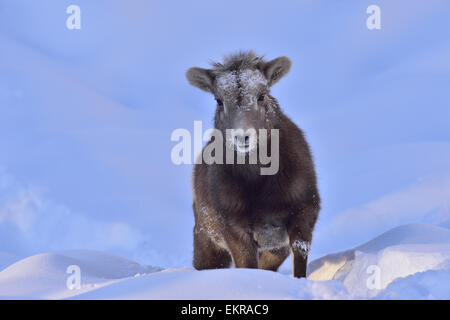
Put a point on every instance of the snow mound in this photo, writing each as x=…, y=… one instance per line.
x=45, y=275
x=372, y=267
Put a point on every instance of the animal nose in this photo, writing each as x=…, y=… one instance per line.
x=242, y=139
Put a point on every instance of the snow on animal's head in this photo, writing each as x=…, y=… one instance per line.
x=241, y=88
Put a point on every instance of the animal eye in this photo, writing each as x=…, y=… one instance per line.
x=261, y=97
x=219, y=102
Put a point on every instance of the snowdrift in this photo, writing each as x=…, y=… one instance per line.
x=407, y=262
x=393, y=256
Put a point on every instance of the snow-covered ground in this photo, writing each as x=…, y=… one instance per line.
x=407, y=262
x=411, y=262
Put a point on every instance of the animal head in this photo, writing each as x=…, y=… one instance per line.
x=241, y=87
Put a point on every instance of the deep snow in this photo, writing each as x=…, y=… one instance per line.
x=414, y=263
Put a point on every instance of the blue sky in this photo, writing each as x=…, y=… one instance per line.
x=86, y=116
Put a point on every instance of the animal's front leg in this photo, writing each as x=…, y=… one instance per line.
x=243, y=249
x=300, y=231
x=300, y=249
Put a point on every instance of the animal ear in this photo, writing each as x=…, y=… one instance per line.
x=201, y=78
x=276, y=69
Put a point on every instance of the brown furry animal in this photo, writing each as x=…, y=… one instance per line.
x=242, y=216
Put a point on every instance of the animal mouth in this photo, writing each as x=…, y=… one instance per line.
x=244, y=145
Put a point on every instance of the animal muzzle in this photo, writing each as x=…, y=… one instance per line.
x=244, y=141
